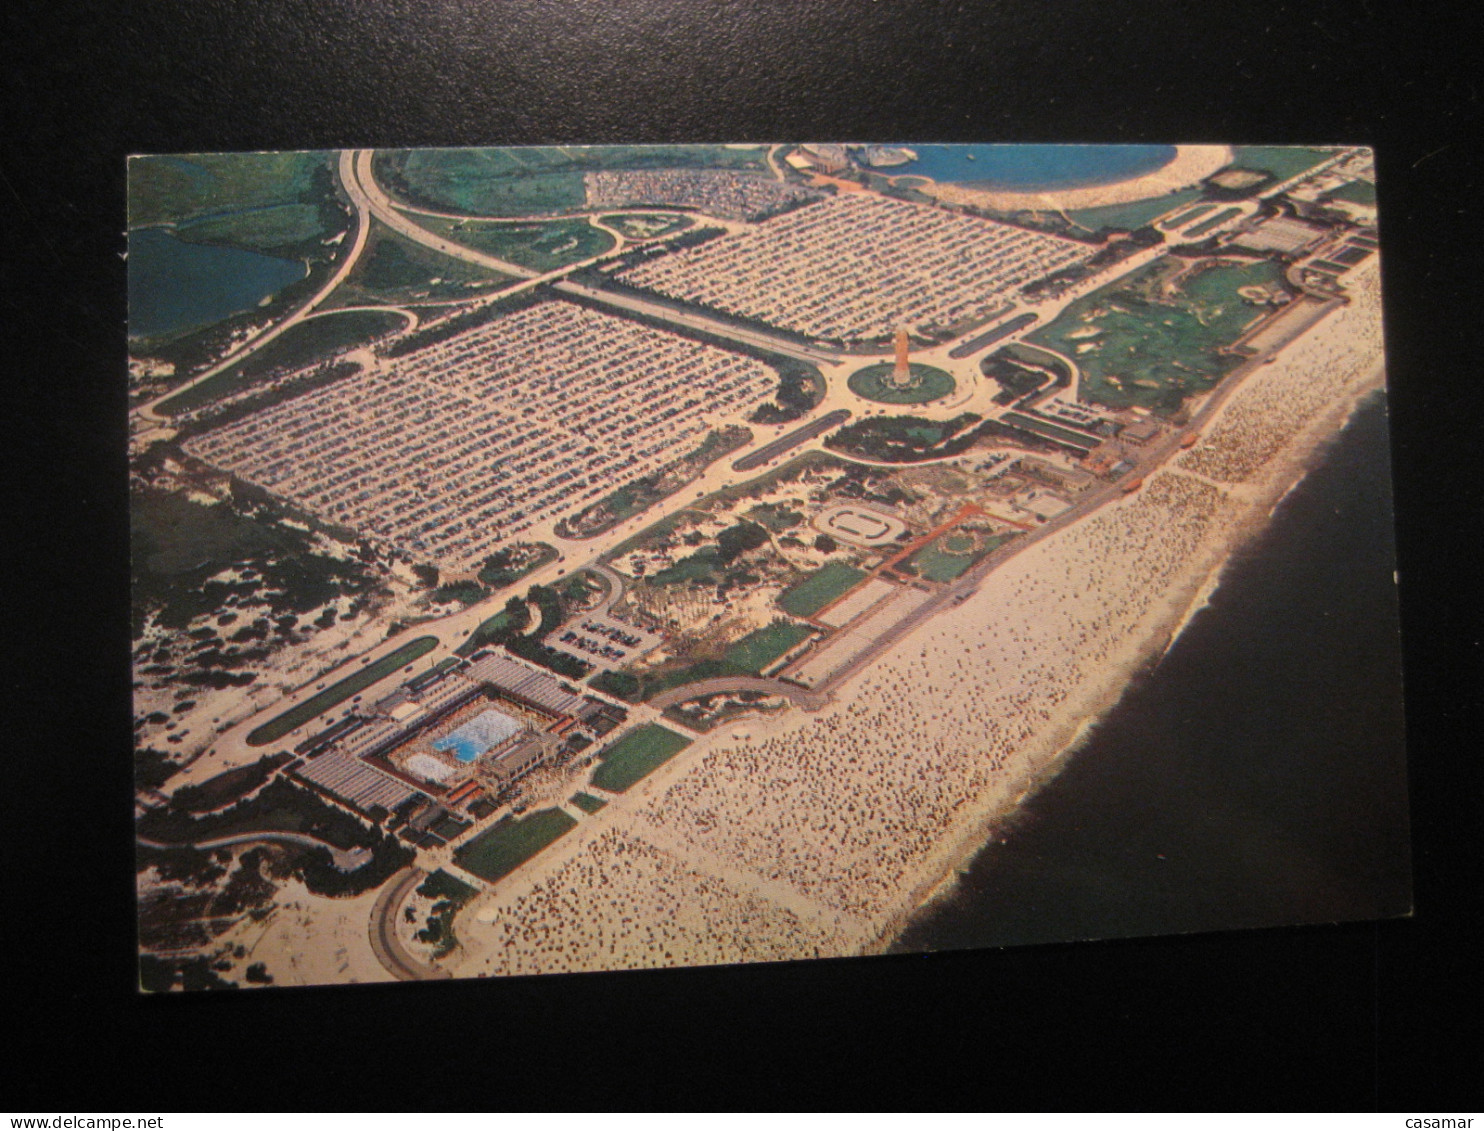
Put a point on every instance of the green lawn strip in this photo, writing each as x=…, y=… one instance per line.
x=1188, y=215
x=636, y=755
x=290, y=720
x=872, y=383
x=1283, y=161
x=587, y=802
x=759, y=648
x=807, y=597
x=1032, y=424
x=1206, y=225
x=512, y=841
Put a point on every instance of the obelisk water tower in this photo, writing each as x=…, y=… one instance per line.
x=901, y=374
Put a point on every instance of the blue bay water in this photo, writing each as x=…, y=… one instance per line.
x=1255, y=776
x=176, y=286
x=1028, y=168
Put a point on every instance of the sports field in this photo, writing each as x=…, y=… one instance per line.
x=807, y=597
x=512, y=841
x=758, y=649
x=290, y=720
x=946, y=557
x=636, y=755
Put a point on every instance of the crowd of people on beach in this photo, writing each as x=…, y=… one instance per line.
x=812, y=834
x=621, y=903
x=841, y=813
x=1281, y=398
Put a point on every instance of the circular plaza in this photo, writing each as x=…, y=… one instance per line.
x=880, y=383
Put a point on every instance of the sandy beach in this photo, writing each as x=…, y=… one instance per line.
x=822, y=834
x=1191, y=164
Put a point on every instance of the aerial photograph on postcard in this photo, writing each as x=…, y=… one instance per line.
x=593, y=558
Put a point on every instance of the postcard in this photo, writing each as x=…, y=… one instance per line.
x=576, y=558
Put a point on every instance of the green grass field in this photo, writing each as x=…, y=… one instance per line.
x=228, y=187
x=510, y=842
x=1153, y=353
x=336, y=693
x=636, y=755
x=393, y=269
x=759, y=648
x=1135, y=214
x=944, y=558
x=540, y=247
x=1357, y=192
x=872, y=383
x=1283, y=161
x=257, y=229
x=807, y=597
x=301, y=345
x=587, y=802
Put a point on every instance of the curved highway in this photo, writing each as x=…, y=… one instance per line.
x=383, y=930
x=798, y=696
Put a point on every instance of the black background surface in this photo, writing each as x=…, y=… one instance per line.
x=1351, y=1017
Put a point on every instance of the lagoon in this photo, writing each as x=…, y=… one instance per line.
x=1034, y=168
x=176, y=286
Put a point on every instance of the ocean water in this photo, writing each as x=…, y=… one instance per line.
x=1255, y=775
x=1030, y=168
x=176, y=286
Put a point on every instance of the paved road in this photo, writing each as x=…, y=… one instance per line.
x=347, y=860
x=696, y=321
x=368, y=194
x=389, y=950
x=799, y=696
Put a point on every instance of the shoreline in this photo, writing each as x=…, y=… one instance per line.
x=1191, y=164
x=819, y=835
x=1285, y=472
